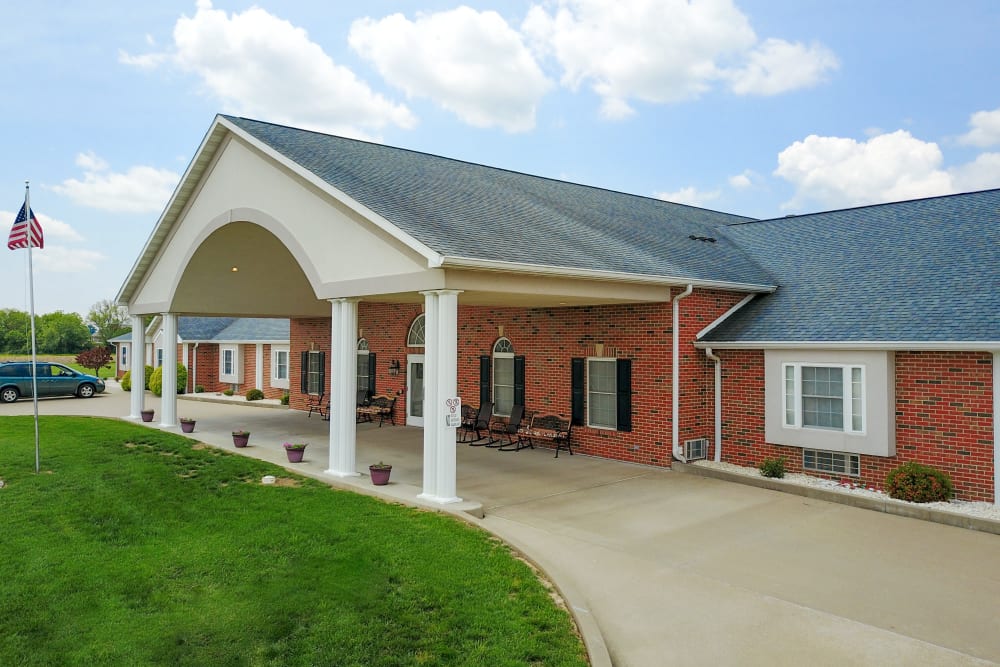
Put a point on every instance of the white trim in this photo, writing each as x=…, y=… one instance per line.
x=258, y=371
x=586, y=392
x=725, y=316
x=236, y=374
x=493, y=378
x=415, y=359
x=846, y=397
x=931, y=346
x=596, y=274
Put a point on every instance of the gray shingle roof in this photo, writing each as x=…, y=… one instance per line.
x=232, y=328
x=923, y=270
x=466, y=210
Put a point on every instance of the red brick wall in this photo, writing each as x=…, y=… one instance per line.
x=549, y=338
x=944, y=404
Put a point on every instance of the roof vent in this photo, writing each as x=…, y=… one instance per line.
x=703, y=239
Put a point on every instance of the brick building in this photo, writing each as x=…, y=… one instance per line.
x=848, y=341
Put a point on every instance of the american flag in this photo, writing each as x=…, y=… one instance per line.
x=25, y=231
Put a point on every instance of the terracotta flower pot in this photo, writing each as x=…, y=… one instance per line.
x=380, y=475
x=147, y=415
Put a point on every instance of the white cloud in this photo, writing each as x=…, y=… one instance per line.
x=777, y=66
x=60, y=259
x=470, y=63
x=51, y=228
x=141, y=189
x=742, y=180
x=689, y=195
x=665, y=51
x=260, y=65
x=983, y=173
x=985, y=129
x=839, y=172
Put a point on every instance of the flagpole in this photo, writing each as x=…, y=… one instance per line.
x=31, y=302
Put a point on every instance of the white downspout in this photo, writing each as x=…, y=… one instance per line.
x=718, y=403
x=675, y=368
x=996, y=428
x=194, y=368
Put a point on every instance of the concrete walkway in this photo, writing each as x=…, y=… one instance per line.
x=662, y=568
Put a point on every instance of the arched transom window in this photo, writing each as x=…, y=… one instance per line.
x=364, y=368
x=503, y=377
x=416, y=336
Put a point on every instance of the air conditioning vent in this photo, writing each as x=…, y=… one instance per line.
x=696, y=449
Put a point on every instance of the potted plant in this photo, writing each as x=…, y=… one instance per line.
x=187, y=424
x=147, y=415
x=295, y=451
x=380, y=473
x=240, y=438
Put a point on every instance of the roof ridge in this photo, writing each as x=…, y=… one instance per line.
x=491, y=167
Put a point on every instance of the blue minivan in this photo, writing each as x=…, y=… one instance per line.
x=53, y=380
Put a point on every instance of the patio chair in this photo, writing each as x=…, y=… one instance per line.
x=319, y=404
x=480, y=425
x=469, y=415
x=363, y=400
x=510, y=430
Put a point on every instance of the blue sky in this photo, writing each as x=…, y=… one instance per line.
x=755, y=107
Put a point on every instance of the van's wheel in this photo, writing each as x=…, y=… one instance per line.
x=85, y=391
x=8, y=394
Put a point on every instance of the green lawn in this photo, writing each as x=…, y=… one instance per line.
x=138, y=547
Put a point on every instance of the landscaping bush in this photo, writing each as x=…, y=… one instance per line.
x=255, y=395
x=284, y=398
x=773, y=467
x=918, y=483
x=228, y=392
x=156, y=380
x=199, y=389
x=145, y=378
x=126, y=381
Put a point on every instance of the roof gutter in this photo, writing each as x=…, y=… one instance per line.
x=675, y=386
x=931, y=346
x=449, y=261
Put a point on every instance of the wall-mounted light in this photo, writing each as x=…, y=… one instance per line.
x=394, y=367
x=235, y=269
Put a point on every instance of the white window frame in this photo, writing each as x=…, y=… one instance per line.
x=613, y=393
x=506, y=353
x=235, y=374
x=313, y=385
x=362, y=381
x=852, y=402
x=416, y=334
x=278, y=380
x=123, y=356
x=159, y=357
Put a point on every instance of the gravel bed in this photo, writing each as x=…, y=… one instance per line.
x=976, y=509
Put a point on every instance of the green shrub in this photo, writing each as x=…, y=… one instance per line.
x=156, y=380
x=918, y=483
x=126, y=381
x=228, y=392
x=145, y=378
x=255, y=395
x=773, y=467
x=284, y=398
x=199, y=389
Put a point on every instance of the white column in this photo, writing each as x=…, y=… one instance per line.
x=343, y=382
x=138, y=367
x=168, y=401
x=259, y=367
x=440, y=384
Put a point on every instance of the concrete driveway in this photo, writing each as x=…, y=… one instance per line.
x=663, y=568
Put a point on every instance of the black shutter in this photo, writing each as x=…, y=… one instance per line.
x=578, y=389
x=304, y=380
x=485, y=388
x=519, y=380
x=624, y=376
x=371, y=374
x=322, y=374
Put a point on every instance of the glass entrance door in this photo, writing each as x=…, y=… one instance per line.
x=415, y=390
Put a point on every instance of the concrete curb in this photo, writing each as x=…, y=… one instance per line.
x=887, y=505
x=263, y=403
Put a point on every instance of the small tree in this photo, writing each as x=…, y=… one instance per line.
x=95, y=357
x=110, y=319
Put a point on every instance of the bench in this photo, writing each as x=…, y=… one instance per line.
x=380, y=406
x=319, y=404
x=553, y=428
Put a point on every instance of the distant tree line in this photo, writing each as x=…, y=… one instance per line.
x=59, y=332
